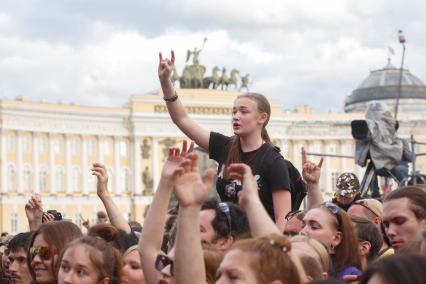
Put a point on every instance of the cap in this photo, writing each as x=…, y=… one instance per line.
x=347, y=185
x=375, y=206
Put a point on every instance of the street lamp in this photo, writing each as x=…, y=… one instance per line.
x=402, y=41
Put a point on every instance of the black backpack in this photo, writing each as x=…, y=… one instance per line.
x=297, y=184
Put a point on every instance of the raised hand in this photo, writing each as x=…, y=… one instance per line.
x=311, y=172
x=165, y=67
x=190, y=189
x=175, y=157
x=249, y=190
x=34, y=211
x=33, y=208
x=101, y=173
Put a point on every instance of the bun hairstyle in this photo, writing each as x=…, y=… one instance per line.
x=104, y=256
x=105, y=231
x=263, y=106
x=285, y=267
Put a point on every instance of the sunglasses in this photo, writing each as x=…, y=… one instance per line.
x=163, y=261
x=299, y=214
x=224, y=208
x=44, y=253
x=364, y=204
x=333, y=208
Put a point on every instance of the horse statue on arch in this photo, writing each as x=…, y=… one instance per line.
x=212, y=80
x=224, y=80
x=233, y=78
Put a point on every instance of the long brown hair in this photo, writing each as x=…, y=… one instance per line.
x=57, y=234
x=346, y=253
x=263, y=106
x=104, y=256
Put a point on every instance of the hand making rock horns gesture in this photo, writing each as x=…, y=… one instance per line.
x=165, y=67
x=311, y=172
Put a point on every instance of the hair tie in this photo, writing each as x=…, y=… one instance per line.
x=283, y=248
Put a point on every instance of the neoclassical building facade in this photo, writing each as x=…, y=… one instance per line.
x=49, y=148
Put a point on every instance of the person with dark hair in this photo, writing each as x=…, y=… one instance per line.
x=369, y=240
x=332, y=226
x=18, y=248
x=45, y=245
x=404, y=215
x=222, y=223
x=5, y=273
x=372, y=209
x=396, y=269
x=250, y=144
x=135, y=226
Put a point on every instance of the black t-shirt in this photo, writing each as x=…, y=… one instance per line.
x=267, y=164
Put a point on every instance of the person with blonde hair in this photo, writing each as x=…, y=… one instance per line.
x=250, y=144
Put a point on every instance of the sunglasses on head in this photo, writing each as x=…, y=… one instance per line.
x=299, y=214
x=333, y=208
x=163, y=261
x=44, y=253
x=224, y=208
x=364, y=204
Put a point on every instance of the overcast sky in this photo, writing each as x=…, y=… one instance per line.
x=100, y=52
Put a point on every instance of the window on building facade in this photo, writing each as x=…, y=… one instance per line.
x=60, y=179
x=92, y=180
x=11, y=178
x=332, y=148
x=14, y=223
x=334, y=177
x=124, y=148
x=350, y=149
x=125, y=180
x=91, y=147
x=42, y=145
x=43, y=179
x=25, y=140
x=76, y=180
x=27, y=178
x=58, y=145
x=75, y=146
x=108, y=147
x=10, y=143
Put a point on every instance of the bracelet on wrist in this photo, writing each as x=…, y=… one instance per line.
x=171, y=99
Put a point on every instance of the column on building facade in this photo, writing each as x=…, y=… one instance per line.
x=68, y=168
x=52, y=169
x=154, y=151
x=136, y=161
x=84, y=165
x=19, y=161
x=3, y=161
x=117, y=168
x=35, y=153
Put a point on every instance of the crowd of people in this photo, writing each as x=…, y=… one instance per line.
x=251, y=231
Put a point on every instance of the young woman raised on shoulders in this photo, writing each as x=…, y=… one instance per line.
x=250, y=144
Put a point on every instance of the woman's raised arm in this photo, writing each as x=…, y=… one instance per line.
x=176, y=110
